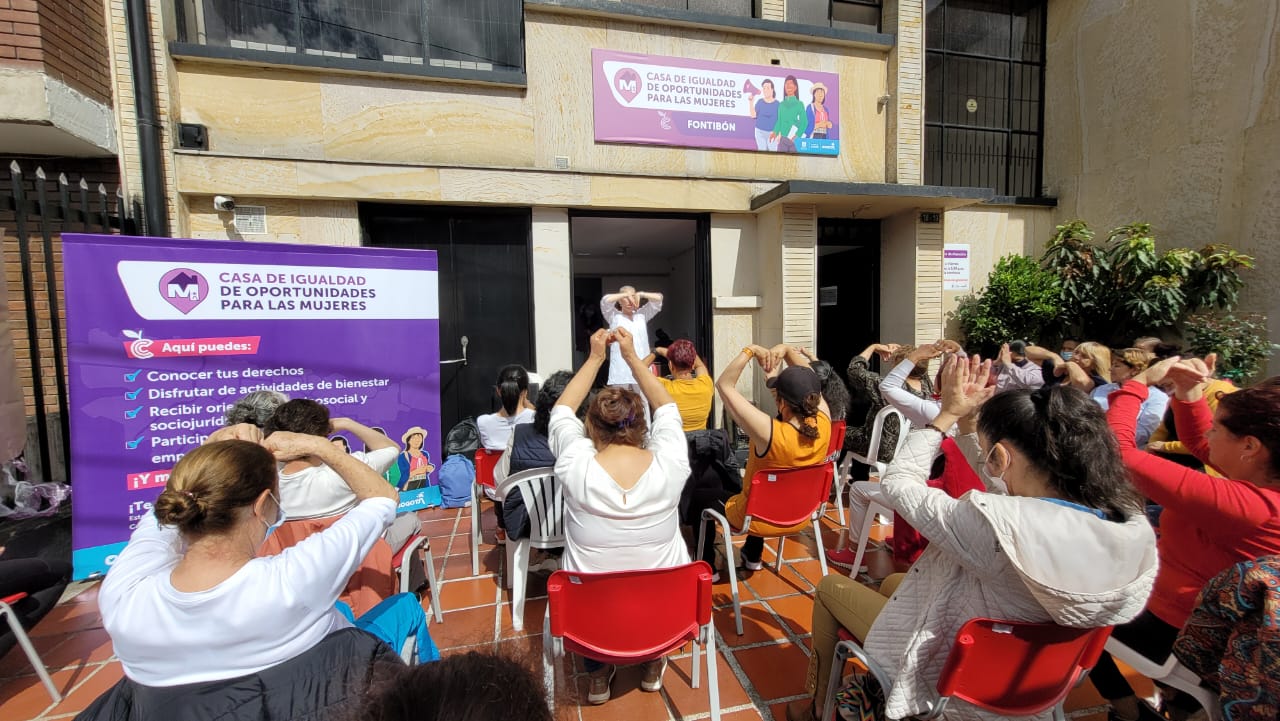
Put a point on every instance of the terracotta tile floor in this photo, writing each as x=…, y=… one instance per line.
x=759, y=672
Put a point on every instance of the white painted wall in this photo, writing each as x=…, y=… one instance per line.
x=552, y=290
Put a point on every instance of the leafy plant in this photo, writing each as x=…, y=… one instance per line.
x=1241, y=342
x=1021, y=299
x=1123, y=287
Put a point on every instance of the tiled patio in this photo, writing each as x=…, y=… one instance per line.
x=760, y=671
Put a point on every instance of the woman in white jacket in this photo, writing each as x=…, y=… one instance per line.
x=1068, y=544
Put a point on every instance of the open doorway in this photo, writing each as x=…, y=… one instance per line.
x=665, y=254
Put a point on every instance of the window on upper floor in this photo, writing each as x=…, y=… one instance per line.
x=471, y=34
x=734, y=8
x=984, y=94
x=861, y=15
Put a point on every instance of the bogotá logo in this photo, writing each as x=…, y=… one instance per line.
x=184, y=289
x=139, y=347
x=627, y=82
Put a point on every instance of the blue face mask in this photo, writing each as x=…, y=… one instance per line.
x=1066, y=355
x=281, y=517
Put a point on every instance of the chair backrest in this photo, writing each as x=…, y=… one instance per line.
x=630, y=614
x=486, y=461
x=1015, y=668
x=788, y=496
x=877, y=431
x=837, y=440
x=544, y=500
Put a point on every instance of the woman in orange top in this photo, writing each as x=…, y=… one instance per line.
x=798, y=436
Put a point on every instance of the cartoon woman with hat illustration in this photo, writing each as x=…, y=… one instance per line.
x=819, y=118
x=414, y=465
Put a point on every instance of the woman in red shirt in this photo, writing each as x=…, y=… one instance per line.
x=1208, y=523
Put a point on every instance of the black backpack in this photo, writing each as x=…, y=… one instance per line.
x=463, y=439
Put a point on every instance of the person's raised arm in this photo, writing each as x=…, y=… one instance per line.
x=955, y=525
x=1076, y=376
x=364, y=483
x=791, y=355
x=700, y=367
x=576, y=392
x=884, y=350
x=652, y=307
x=608, y=306
x=238, y=432
x=916, y=409
x=653, y=390
x=372, y=440
x=964, y=390
x=757, y=424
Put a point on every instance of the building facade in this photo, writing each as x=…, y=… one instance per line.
x=467, y=128
x=56, y=115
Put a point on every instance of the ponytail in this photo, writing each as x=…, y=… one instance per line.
x=513, y=380
x=1064, y=434
x=807, y=412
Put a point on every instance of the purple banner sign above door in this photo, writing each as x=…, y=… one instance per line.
x=164, y=335
x=655, y=100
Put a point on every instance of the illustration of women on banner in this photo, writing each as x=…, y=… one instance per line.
x=414, y=467
x=820, y=125
x=792, y=120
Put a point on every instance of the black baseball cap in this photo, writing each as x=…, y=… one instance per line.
x=795, y=384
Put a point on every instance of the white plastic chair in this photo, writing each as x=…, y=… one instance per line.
x=1170, y=673
x=875, y=509
x=544, y=501
x=15, y=625
x=877, y=430
x=401, y=562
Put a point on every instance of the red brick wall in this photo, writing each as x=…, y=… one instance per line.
x=94, y=171
x=66, y=38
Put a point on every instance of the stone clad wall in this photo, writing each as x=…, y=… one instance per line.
x=1169, y=113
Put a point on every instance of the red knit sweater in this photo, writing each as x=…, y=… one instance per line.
x=1208, y=523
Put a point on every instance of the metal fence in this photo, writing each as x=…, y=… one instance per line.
x=35, y=210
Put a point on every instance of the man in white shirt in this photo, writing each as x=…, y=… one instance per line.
x=311, y=489
x=631, y=310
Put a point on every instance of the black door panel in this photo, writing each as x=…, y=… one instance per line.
x=485, y=292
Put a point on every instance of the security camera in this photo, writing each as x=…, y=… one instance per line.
x=224, y=203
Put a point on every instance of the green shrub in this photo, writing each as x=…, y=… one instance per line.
x=1020, y=301
x=1124, y=288
x=1241, y=342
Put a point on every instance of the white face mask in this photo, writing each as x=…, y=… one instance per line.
x=996, y=481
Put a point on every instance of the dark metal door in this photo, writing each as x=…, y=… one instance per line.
x=485, y=293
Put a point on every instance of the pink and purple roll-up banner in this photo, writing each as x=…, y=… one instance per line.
x=656, y=100
x=164, y=335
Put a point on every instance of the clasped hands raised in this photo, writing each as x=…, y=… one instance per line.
x=284, y=445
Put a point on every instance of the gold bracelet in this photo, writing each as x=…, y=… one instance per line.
x=747, y=350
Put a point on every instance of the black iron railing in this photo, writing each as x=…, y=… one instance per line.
x=38, y=210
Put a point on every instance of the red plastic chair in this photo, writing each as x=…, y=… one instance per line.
x=15, y=625
x=486, y=461
x=1012, y=668
x=779, y=497
x=631, y=617
x=833, y=457
x=408, y=551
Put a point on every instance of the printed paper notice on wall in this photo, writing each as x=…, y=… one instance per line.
x=955, y=267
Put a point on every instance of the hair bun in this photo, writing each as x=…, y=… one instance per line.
x=179, y=508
